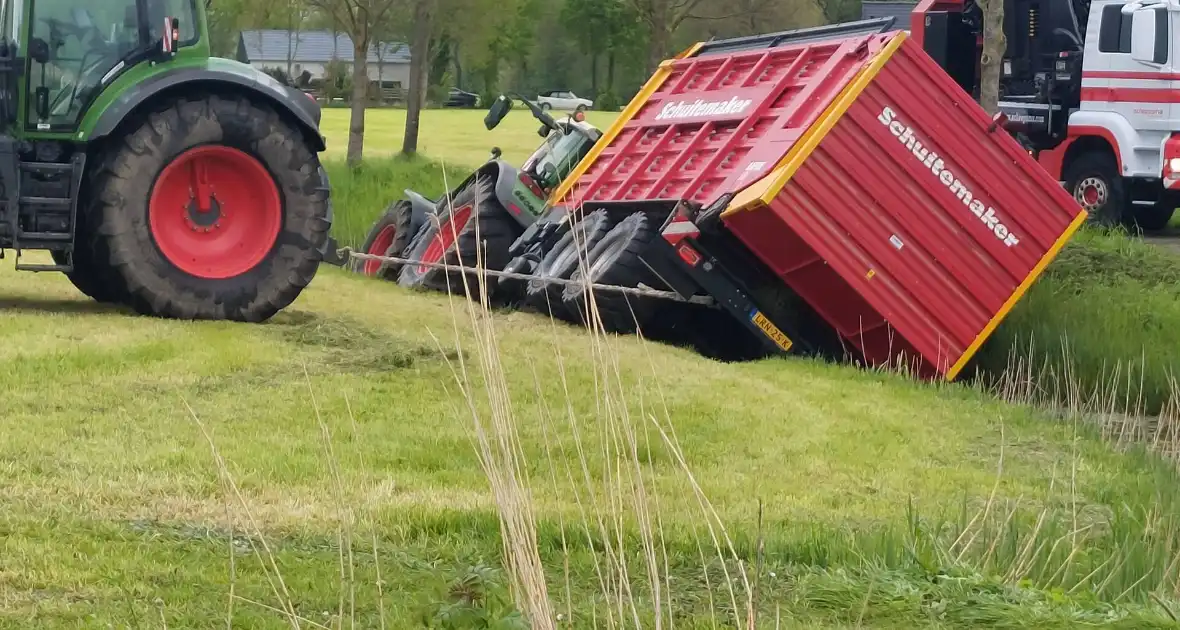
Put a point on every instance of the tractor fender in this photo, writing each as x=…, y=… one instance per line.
x=521, y=204
x=421, y=209
x=236, y=78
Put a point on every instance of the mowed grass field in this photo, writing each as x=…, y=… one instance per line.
x=323, y=470
x=451, y=136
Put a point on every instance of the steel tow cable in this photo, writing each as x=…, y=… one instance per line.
x=639, y=291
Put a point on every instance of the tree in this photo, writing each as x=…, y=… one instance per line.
x=600, y=26
x=419, y=72
x=361, y=19
x=995, y=44
x=664, y=17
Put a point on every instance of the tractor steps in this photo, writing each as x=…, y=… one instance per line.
x=46, y=217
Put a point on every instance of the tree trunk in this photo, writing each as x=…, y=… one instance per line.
x=594, y=75
x=360, y=97
x=610, y=71
x=458, y=67
x=657, y=43
x=994, y=47
x=419, y=69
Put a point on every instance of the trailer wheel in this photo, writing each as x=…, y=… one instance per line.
x=452, y=240
x=1093, y=180
x=563, y=260
x=389, y=236
x=208, y=208
x=615, y=261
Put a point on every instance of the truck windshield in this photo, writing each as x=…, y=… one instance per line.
x=560, y=153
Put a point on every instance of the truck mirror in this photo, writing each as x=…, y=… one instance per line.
x=499, y=109
x=1146, y=25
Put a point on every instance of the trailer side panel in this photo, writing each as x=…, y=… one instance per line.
x=905, y=217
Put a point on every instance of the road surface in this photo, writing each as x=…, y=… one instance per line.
x=1169, y=240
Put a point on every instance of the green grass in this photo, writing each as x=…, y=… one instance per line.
x=351, y=444
x=452, y=136
x=1103, y=325
x=115, y=506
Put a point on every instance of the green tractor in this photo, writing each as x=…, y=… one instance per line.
x=155, y=175
x=497, y=201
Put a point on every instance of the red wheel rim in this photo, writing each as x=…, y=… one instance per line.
x=446, y=236
x=215, y=212
x=380, y=245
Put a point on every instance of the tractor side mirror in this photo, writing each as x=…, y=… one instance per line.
x=1146, y=24
x=499, y=109
x=39, y=50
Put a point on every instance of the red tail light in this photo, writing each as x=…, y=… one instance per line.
x=1172, y=162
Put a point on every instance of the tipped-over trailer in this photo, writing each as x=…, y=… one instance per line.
x=833, y=189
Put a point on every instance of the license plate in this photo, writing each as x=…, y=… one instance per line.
x=772, y=331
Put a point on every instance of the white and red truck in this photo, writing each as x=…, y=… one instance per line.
x=1090, y=87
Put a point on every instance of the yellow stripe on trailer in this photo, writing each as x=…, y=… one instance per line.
x=653, y=84
x=761, y=192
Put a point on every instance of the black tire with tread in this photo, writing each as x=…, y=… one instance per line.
x=116, y=212
x=1101, y=165
x=490, y=221
x=86, y=277
x=563, y=260
x=1154, y=218
x=619, y=312
x=400, y=215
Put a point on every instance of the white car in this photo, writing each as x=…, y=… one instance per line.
x=563, y=100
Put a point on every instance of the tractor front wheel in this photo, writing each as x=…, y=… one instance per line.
x=472, y=230
x=389, y=236
x=210, y=208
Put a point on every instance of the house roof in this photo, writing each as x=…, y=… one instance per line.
x=870, y=9
x=314, y=47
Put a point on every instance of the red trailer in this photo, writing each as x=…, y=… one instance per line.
x=845, y=166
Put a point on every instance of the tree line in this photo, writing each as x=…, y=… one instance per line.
x=604, y=49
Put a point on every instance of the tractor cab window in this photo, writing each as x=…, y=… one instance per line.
x=560, y=152
x=72, y=47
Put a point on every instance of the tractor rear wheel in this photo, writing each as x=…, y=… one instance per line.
x=389, y=236
x=208, y=208
x=87, y=278
x=474, y=229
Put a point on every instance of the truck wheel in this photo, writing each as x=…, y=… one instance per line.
x=615, y=261
x=561, y=262
x=209, y=208
x=389, y=236
x=1154, y=218
x=1093, y=180
x=452, y=240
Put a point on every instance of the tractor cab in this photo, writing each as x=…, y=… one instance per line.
x=560, y=153
x=75, y=51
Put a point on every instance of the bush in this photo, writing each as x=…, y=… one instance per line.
x=360, y=195
x=607, y=101
x=1105, y=318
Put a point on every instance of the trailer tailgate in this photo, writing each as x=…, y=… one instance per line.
x=905, y=217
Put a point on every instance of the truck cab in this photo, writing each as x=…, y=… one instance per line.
x=1092, y=89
